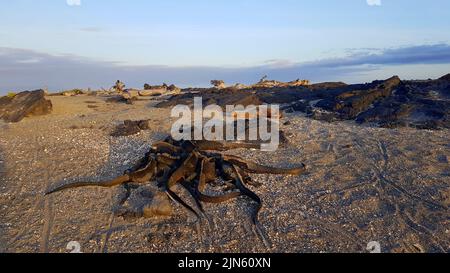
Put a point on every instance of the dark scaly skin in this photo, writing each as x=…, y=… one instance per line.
x=177, y=199
x=165, y=147
x=140, y=176
x=218, y=199
x=205, y=145
x=105, y=184
x=185, y=171
x=145, y=174
x=167, y=159
x=207, y=172
x=183, y=174
x=245, y=191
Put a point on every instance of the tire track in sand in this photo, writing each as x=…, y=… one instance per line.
x=48, y=209
x=17, y=190
x=110, y=231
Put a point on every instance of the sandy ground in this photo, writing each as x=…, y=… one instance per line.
x=363, y=184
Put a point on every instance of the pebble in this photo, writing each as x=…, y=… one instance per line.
x=442, y=159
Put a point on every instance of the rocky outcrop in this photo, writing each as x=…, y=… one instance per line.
x=130, y=127
x=349, y=105
x=74, y=92
x=224, y=97
x=264, y=83
x=445, y=78
x=391, y=103
x=158, y=90
x=25, y=104
x=388, y=103
x=418, y=104
x=130, y=96
x=327, y=85
x=152, y=93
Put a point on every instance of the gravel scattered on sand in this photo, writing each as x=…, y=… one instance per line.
x=363, y=184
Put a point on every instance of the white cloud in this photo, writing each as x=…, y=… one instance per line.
x=73, y=2
x=374, y=2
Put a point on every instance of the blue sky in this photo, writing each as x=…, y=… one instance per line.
x=188, y=41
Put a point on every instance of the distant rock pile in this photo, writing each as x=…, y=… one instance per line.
x=131, y=95
x=159, y=90
x=14, y=108
x=264, y=83
x=74, y=92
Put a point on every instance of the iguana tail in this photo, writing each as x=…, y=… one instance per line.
x=105, y=184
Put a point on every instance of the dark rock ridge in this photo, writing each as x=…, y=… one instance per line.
x=423, y=105
x=222, y=97
x=445, y=78
x=25, y=104
x=390, y=103
x=349, y=105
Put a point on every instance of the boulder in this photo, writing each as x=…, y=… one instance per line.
x=25, y=104
x=130, y=127
x=158, y=90
x=349, y=105
x=422, y=105
x=155, y=87
x=264, y=83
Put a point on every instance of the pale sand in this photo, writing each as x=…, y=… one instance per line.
x=363, y=184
